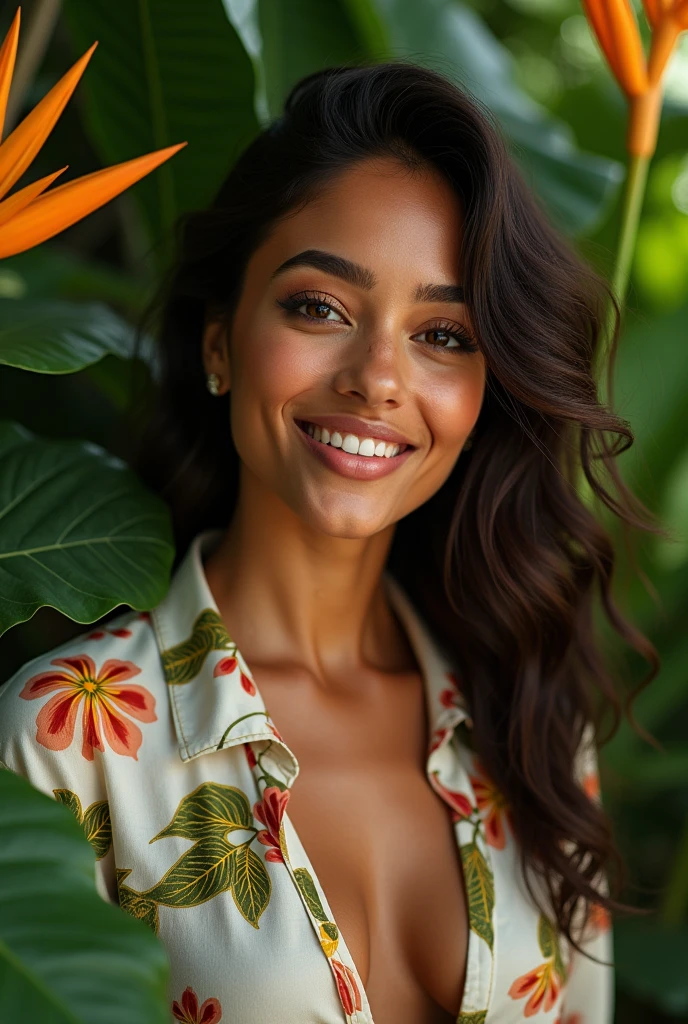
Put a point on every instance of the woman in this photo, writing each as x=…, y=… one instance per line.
x=376, y=394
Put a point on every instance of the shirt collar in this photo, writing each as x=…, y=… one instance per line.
x=215, y=701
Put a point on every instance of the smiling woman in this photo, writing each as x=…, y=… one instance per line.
x=376, y=403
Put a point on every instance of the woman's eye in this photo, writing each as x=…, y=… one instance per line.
x=443, y=337
x=312, y=307
x=319, y=311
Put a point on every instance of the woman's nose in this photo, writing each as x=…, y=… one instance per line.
x=374, y=367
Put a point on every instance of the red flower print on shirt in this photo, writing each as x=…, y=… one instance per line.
x=98, y=634
x=104, y=700
x=226, y=666
x=270, y=810
x=189, y=1013
x=346, y=986
x=436, y=739
x=544, y=986
x=492, y=806
x=250, y=756
x=451, y=696
x=458, y=802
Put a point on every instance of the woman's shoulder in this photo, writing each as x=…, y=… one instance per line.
x=88, y=694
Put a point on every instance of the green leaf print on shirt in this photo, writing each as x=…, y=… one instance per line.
x=548, y=940
x=213, y=864
x=95, y=822
x=184, y=661
x=480, y=891
x=475, y=1017
x=310, y=893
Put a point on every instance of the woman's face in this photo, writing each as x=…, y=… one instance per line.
x=350, y=317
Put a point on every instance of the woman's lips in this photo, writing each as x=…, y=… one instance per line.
x=356, y=467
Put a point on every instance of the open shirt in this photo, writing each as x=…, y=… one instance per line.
x=153, y=731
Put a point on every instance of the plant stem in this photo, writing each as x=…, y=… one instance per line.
x=632, y=202
x=634, y=192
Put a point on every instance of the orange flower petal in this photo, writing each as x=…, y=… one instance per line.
x=45, y=682
x=8, y=54
x=652, y=11
x=614, y=24
x=526, y=983
x=82, y=665
x=134, y=700
x=114, y=671
x=123, y=735
x=55, y=720
x=664, y=40
x=63, y=206
x=9, y=208
x=681, y=14
x=91, y=739
x=630, y=58
x=19, y=148
x=596, y=15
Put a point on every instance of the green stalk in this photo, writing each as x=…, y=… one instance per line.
x=634, y=193
x=631, y=206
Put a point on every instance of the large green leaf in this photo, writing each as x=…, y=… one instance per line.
x=78, y=531
x=302, y=36
x=165, y=71
x=52, y=271
x=576, y=187
x=66, y=955
x=60, y=337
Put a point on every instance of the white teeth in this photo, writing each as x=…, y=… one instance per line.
x=352, y=444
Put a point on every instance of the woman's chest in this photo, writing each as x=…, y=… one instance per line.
x=383, y=847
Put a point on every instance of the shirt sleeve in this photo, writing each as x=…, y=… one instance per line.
x=57, y=773
x=589, y=997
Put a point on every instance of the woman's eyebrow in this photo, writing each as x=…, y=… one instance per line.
x=361, y=277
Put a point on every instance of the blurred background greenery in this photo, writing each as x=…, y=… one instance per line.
x=210, y=73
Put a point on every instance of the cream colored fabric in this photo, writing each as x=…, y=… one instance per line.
x=153, y=728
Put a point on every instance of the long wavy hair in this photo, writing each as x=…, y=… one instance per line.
x=505, y=562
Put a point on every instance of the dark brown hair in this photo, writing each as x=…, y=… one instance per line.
x=506, y=561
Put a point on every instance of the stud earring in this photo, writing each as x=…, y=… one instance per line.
x=469, y=441
x=213, y=384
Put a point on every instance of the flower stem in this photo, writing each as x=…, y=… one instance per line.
x=634, y=192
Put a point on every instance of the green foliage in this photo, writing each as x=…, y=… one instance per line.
x=60, y=337
x=79, y=532
x=66, y=956
x=166, y=71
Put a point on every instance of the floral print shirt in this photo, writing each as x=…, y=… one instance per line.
x=153, y=732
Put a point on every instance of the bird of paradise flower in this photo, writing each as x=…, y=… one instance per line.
x=104, y=698
x=32, y=215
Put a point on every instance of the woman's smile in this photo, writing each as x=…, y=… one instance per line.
x=352, y=455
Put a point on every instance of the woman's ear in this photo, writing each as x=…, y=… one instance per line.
x=216, y=353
